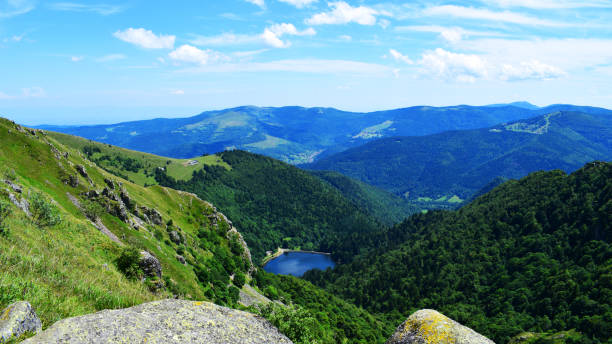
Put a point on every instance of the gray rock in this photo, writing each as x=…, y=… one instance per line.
x=125, y=198
x=164, y=322
x=428, y=326
x=150, y=265
x=181, y=259
x=18, y=319
x=73, y=180
x=110, y=183
x=175, y=237
x=120, y=211
x=82, y=171
x=14, y=186
x=154, y=216
x=21, y=204
x=91, y=194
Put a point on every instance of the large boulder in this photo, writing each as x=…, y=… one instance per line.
x=150, y=265
x=428, y=327
x=18, y=319
x=164, y=322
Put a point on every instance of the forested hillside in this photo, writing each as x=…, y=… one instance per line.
x=453, y=166
x=275, y=204
x=533, y=254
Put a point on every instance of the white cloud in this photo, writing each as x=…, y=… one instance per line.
x=33, y=92
x=146, y=38
x=14, y=38
x=225, y=39
x=484, y=14
x=5, y=96
x=532, y=70
x=12, y=8
x=453, y=66
x=259, y=3
x=299, y=3
x=397, y=56
x=190, y=54
x=272, y=35
x=345, y=38
x=178, y=92
x=550, y=4
x=102, y=9
x=76, y=58
x=111, y=57
x=343, y=13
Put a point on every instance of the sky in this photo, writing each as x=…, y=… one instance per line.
x=85, y=62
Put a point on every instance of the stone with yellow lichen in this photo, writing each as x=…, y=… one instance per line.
x=164, y=322
x=17, y=319
x=431, y=327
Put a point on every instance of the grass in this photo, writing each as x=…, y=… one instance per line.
x=68, y=269
x=177, y=168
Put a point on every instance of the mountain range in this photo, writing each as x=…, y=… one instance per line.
x=295, y=134
x=455, y=165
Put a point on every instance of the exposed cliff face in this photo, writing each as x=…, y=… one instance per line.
x=167, y=322
x=431, y=327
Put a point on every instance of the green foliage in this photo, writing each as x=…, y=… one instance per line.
x=269, y=201
x=5, y=211
x=44, y=212
x=127, y=263
x=463, y=162
x=293, y=321
x=92, y=209
x=9, y=173
x=531, y=255
x=271, y=292
x=239, y=279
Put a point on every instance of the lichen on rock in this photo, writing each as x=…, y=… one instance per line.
x=431, y=327
x=17, y=319
x=164, y=322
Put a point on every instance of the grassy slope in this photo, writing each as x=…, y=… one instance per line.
x=68, y=269
x=177, y=168
x=39, y=264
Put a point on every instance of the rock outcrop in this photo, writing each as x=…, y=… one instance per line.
x=164, y=322
x=18, y=319
x=150, y=265
x=431, y=327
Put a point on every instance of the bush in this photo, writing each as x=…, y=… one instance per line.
x=92, y=209
x=239, y=279
x=44, y=212
x=127, y=263
x=9, y=174
x=294, y=322
x=5, y=210
x=234, y=294
x=271, y=292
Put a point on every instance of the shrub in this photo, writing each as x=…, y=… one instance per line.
x=44, y=212
x=293, y=321
x=239, y=279
x=127, y=263
x=233, y=294
x=5, y=210
x=9, y=174
x=271, y=292
x=92, y=209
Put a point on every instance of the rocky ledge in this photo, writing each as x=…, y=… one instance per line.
x=431, y=327
x=164, y=322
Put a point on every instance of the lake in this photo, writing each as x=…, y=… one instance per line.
x=297, y=263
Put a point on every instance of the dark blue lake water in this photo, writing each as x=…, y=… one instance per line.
x=297, y=263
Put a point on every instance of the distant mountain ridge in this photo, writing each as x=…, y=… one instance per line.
x=463, y=162
x=296, y=134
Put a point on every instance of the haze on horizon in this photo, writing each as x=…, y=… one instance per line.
x=85, y=62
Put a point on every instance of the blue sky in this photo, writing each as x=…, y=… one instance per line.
x=64, y=62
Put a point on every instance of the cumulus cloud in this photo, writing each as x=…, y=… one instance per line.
x=531, y=70
x=451, y=35
x=190, y=54
x=33, y=92
x=397, y=56
x=260, y=3
x=485, y=14
x=178, y=92
x=453, y=66
x=272, y=35
x=146, y=38
x=299, y=3
x=343, y=13
x=76, y=58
